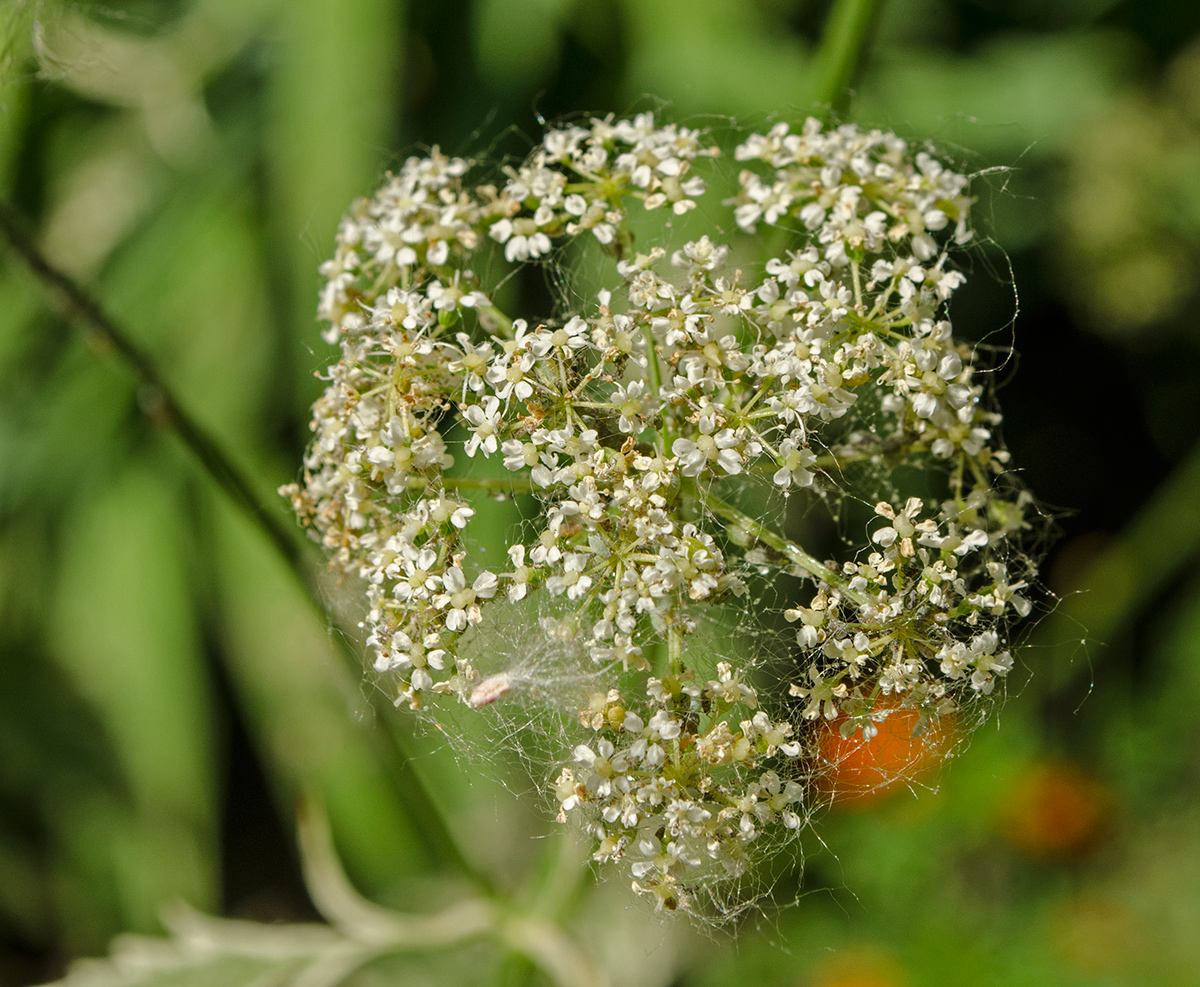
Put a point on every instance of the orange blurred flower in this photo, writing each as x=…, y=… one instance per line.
x=1056, y=810
x=862, y=770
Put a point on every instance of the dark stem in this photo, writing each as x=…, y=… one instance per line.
x=162, y=407
x=165, y=409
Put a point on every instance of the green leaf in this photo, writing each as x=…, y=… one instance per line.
x=719, y=56
x=15, y=65
x=123, y=631
x=210, y=332
x=1017, y=94
x=334, y=92
x=307, y=712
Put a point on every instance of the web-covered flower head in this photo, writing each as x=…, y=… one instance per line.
x=655, y=431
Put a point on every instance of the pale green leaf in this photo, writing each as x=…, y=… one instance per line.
x=210, y=952
x=124, y=632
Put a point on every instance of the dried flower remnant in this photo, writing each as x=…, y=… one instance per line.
x=635, y=421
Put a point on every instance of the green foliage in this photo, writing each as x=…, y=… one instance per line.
x=190, y=160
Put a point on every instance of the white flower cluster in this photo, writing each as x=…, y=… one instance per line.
x=624, y=422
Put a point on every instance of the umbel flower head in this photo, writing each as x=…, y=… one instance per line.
x=654, y=431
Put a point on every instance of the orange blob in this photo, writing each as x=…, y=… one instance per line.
x=862, y=770
x=1056, y=811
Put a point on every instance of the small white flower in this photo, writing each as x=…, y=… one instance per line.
x=794, y=462
x=484, y=420
x=633, y=404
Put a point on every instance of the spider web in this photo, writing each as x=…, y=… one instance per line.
x=535, y=677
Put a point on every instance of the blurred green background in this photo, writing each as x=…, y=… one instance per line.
x=166, y=688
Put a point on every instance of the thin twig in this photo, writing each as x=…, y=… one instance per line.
x=166, y=410
x=163, y=408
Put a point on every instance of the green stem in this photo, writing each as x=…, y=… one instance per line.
x=652, y=354
x=344, y=908
x=496, y=321
x=784, y=546
x=501, y=484
x=842, y=44
x=758, y=395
